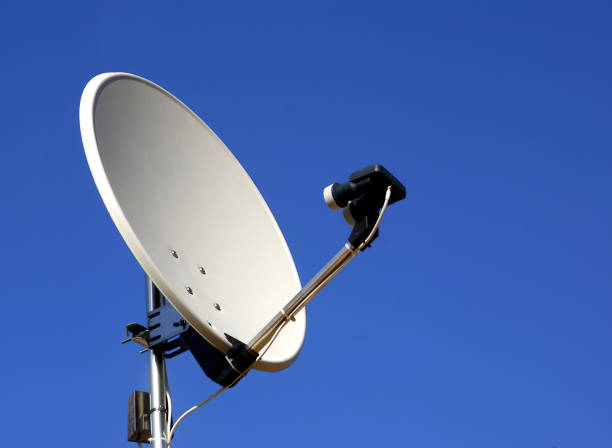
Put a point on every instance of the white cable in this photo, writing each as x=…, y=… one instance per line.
x=382, y=212
x=223, y=389
x=169, y=421
x=168, y=403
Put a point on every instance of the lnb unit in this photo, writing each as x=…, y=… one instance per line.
x=362, y=197
x=370, y=181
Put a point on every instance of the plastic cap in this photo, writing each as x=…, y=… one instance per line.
x=329, y=197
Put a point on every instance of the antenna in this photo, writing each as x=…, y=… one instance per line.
x=220, y=279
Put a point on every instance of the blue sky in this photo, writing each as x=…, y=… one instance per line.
x=481, y=317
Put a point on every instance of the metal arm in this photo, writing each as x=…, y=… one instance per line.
x=301, y=299
x=362, y=235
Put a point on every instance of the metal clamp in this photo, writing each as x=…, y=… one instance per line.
x=164, y=324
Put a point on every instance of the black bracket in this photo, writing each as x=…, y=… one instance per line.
x=167, y=330
x=364, y=195
x=164, y=323
x=164, y=326
x=362, y=230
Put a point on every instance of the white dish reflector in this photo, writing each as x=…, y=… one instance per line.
x=189, y=213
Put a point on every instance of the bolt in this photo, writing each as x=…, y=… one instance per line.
x=217, y=306
x=174, y=254
x=202, y=271
x=189, y=290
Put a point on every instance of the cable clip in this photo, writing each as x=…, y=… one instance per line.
x=161, y=409
x=287, y=316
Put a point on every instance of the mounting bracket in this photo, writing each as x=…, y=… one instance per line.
x=164, y=326
x=165, y=323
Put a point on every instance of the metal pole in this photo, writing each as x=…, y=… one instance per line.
x=301, y=299
x=157, y=379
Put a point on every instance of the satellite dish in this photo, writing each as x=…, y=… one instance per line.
x=207, y=241
x=190, y=214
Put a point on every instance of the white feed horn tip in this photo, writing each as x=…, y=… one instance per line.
x=329, y=198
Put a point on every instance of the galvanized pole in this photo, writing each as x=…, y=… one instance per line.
x=157, y=379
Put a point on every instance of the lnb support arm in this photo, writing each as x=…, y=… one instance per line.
x=306, y=294
x=362, y=197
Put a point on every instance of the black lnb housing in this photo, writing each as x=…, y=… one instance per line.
x=361, y=199
x=370, y=181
